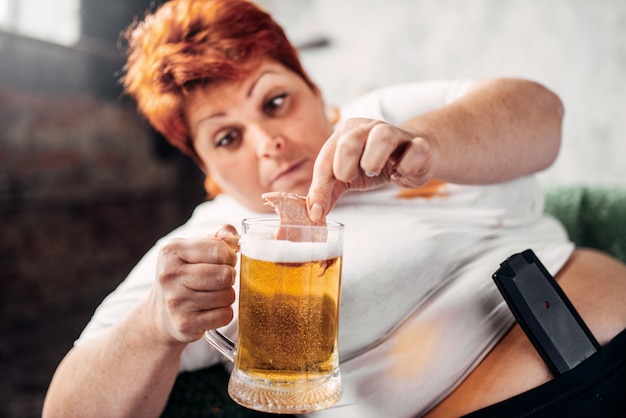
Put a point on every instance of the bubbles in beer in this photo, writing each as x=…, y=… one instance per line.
x=288, y=323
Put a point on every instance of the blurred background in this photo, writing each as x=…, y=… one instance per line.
x=86, y=186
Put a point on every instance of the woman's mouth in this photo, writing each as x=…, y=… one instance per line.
x=287, y=172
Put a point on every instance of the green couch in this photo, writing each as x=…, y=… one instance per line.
x=593, y=216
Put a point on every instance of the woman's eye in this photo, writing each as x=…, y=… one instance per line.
x=228, y=139
x=275, y=104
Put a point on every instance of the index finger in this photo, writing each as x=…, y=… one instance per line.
x=209, y=250
x=325, y=189
x=229, y=235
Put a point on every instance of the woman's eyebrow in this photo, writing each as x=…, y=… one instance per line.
x=256, y=82
x=215, y=115
x=208, y=118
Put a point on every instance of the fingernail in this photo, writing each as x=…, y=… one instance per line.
x=316, y=212
x=370, y=174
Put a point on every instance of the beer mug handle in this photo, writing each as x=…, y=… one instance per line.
x=223, y=344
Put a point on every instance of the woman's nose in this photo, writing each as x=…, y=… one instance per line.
x=269, y=142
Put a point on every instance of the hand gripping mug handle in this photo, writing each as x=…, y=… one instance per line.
x=222, y=343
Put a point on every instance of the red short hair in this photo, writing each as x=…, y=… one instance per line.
x=187, y=43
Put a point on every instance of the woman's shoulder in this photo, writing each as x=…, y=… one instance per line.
x=396, y=103
x=211, y=214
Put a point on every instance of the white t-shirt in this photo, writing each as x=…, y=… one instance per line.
x=419, y=309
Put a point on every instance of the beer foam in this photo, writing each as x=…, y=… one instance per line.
x=281, y=251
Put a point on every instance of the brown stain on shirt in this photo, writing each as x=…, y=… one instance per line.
x=434, y=188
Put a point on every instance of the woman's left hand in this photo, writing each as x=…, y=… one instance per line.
x=364, y=154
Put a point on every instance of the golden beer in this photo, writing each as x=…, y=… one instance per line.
x=286, y=354
x=289, y=319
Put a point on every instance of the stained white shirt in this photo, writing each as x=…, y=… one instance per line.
x=419, y=309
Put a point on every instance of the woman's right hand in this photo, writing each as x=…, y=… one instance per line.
x=363, y=154
x=194, y=290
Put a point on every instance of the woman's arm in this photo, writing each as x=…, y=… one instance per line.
x=500, y=130
x=130, y=368
x=123, y=372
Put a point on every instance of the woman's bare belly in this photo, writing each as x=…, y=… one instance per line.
x=596, y=285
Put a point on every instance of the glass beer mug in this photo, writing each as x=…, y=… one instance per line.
x=286, y=357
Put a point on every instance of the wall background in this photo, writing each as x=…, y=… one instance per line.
x=86, y=188
x=575, y=47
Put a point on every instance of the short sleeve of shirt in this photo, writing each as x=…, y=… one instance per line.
x=396, y=104
x=118, y=304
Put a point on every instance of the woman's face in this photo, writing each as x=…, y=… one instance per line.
x=258, y=134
